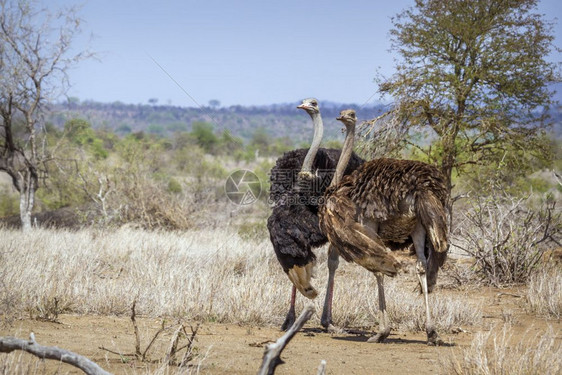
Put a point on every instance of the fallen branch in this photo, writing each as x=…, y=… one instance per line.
x=9, y=344
x=322, y=368
x=271, y=357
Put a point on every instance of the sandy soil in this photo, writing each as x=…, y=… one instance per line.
x=235, y=349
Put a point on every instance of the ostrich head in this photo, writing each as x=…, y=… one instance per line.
x=348, y=117
x=310, y=105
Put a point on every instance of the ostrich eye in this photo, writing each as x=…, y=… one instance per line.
x=352, y=114
x=314, y=103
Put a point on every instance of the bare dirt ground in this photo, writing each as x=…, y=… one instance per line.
x=235, y=349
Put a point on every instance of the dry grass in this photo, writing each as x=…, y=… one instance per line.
x=20, y=363
x=544, y=296
x=356, y=302
x=496, y=353
x=210, y=275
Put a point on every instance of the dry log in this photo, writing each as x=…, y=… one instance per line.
x=272, y=355
x=9, y=344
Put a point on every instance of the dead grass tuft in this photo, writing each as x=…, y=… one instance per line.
x=544, y=296
x=496, y=353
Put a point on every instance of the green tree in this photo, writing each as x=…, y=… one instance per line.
x=476, y=74
x=204, y=135
x=229, y=143
x=80, y=133
x=214, y=103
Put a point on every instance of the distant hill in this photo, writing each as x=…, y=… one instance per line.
x=278, y=120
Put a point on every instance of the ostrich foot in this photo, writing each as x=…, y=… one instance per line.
x=326, y=319
x=335, y=329
x=433, y=339
x=289, y=320
x=379, y=337
x=328, y=325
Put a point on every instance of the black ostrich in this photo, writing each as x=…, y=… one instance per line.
x=293, y=225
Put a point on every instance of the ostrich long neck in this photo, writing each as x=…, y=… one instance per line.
x=346, y=152
x=318, y=133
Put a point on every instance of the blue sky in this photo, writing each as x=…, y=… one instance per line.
x=238, y=52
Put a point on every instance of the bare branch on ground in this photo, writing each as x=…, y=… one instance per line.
x=272, y=355
x=9, y=344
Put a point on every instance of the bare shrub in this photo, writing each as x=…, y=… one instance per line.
x=137, y=186
x=497, y=354
x=458, y=274
x=507, y=237
x=181, y=341
x=49, y=309
x=147, y=203
x=544, y=296
x=383, y=136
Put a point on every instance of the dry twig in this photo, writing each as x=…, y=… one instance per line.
x=176, y=345
x=272, y=355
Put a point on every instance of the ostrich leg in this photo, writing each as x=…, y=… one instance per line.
x=291, y=316
x=384, y=325
x=418, y=237
x=333, y=263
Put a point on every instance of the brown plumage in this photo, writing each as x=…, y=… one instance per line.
x=381, y=202
x=387, y=201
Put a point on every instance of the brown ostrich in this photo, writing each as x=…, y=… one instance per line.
x=387, y=201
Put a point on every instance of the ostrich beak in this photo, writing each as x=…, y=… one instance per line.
x=339, y=118
x=302, y=106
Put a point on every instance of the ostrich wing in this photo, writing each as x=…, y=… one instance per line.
x=294, y=231
x=356, y=241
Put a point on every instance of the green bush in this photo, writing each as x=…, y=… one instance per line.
x=174, y=186
x=204, y=136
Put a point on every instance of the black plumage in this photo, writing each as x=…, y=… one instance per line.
x=293, y=225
